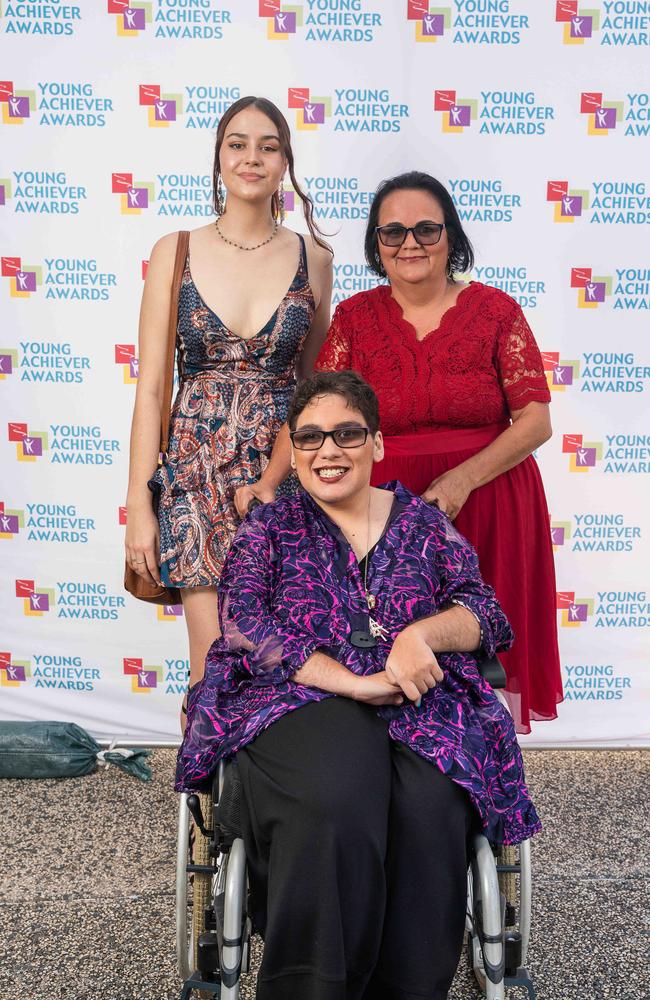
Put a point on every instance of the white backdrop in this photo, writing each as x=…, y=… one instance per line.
x=534, y=115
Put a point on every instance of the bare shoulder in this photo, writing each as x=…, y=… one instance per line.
x=318, y=258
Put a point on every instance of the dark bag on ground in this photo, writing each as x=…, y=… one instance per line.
x=61, y=750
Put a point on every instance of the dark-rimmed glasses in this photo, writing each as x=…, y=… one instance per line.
x=426, y=233
x=310, y=439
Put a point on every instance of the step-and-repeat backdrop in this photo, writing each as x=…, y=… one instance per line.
x=537, y=117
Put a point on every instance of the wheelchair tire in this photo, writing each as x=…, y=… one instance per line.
x=201, y=886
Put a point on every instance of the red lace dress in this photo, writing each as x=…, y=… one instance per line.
x=443, y=399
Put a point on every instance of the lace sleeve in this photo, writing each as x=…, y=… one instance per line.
x=521, y=371
x=336, y=353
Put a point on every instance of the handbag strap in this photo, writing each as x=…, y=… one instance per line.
x=166, y=408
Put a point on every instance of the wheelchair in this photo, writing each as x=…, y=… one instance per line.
x=213, y=922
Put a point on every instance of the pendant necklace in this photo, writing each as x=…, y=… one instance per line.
x=377, y=630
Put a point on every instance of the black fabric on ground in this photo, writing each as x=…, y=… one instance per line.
x=357, y=859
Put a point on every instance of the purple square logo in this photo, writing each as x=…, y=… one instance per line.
x=578, y=612
x=18, y=107
x=39, y=602
x=581, y=27
x=433, y=24
x=313, y=114
x=133, y=19
x=6, y=364
x=134, y=367
x=137, y=197
x=460, y=115
x=571, y=205
x=605, y=118
x=3, y=195
x=172, y=610
x=595, y=291
x=32, y=446
x=563, y=375
x=557, y=536
x=15, y=672
x=26, y=281
x=585, y=457
x=165, y=111
x=289, y=201
x=284, y=22
x=9, y=524
x=147, y=679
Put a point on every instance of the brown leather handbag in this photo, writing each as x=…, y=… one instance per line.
x=134, y=583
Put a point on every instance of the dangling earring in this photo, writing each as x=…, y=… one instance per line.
x=221, y=196
x=281, y=200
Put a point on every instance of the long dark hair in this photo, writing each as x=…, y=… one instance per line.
x=460, y=259
x=271, y=111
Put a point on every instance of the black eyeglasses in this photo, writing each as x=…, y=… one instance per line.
x=426, y=233
x=343, y=437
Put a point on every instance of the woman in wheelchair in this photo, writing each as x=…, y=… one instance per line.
x=363, y=609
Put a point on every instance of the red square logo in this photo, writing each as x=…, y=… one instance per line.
x=298, y=96
x=444, y=99
x=16, y=432
x=149, y=93
x=565, y=10
x=580, y=276
x=589, y=101
x=555, y=190
x=121, y=182
x=24, y=588
x=9, y=266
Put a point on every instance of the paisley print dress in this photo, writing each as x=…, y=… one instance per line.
x=232, y=401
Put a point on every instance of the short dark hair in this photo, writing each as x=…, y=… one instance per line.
x=348, y=384
x=461, y=254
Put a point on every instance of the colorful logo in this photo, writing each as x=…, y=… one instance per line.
x=574, y=611
x=131, y=18
x=560, y=533
x=163, y=109
x=583, y=455
x=602, y=116
x=282, y=20
x=430, y=22
x=30, y=445
x=11, y=521
x=559, y=373
x=310, y=111
x=568, y=204
x=13, y=673
x=579, y=24
x=121, y=515
x=457, y=113
x=135, y=196
x=36, y=601
x=5, y=191
x=143, y=678
x=125, y=355
x=169, y=612
x=592, y=291
x=17, y=105
x=24, y=279
x=144, y=266
x=8, y=362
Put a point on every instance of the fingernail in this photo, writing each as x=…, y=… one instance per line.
x=418, y=702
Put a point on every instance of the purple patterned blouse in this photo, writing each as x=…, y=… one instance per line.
x=291, y=585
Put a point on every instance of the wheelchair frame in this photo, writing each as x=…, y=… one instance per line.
x=499, y=891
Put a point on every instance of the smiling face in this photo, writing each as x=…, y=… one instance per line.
x=412, y=263
x=331, y=474
x=251, y=160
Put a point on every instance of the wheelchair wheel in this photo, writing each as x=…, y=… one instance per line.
x=193, y=894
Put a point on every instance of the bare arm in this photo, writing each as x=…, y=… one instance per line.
x=142, y=529
x=530, y=428
x=322, y=672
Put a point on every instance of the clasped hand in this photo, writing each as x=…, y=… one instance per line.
x=411, y=664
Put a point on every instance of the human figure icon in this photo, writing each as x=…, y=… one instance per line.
x=428, y=23
x=28, y=444
x=134, y=194
x=601, y=117
x=280, y=19
x=21, y=280
x=143, y=680
x=309, y=111
x=36, y=601
x=4, y=520
x=573, y=612
x=14, y=106
x=11, y=672
x=135, y=366
x=590, y=291
x=161, y=108
x=455, y=115
x=581, y=456
x=567, y=205
x=129, y=14
x=558, y=372
x=577, y=27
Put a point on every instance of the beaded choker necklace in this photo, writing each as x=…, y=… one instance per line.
x=240, y=246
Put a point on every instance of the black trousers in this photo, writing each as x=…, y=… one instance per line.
x=357, y=859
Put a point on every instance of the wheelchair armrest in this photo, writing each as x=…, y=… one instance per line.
x=492, y=671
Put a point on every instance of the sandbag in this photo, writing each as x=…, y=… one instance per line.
x=61, y=750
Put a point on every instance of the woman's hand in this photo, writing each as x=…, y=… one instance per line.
x=411, y=664
x=259, y=491
x=449, y=491
x=376, y=689
x=142, y=543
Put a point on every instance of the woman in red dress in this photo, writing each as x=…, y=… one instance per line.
x=463, y=403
